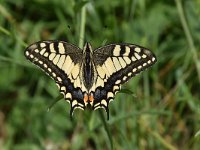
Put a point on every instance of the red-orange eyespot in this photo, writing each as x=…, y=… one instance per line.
x=91, y=98
x=85, y=98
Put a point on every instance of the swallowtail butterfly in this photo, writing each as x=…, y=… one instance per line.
x=89, y=77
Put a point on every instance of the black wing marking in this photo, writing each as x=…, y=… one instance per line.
x=61, y=61
x=116, y=64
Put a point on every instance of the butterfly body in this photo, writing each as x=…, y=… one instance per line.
x=89, y=77
x=88, y=67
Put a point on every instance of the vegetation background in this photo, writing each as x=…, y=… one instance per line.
x=164, y=111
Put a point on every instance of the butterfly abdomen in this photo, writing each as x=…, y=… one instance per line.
x=88, y=68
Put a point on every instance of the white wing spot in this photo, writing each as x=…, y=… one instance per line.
x=139, y=67
x=27, y=53
x=133, y=58
x=51, y=46
x=61, y=48
x=118, y=82
x=129, y=74
x=42, y=51
x=31, y=56
x=49, y=69
x=68, y=95
x=153, y=59
x=63, y=88
x=46, y=54
x=36, y=50
x=104, y=102
x=115, y=88
x=149, y=61
x=134, y=70
x=40, y=62
x=45, y=65
x=54, y=75
x=144, y=64
x=137, y=49
x=110, y=94
x=127, y=51
x=137, y=56
x=42, y=45
x=116, y=51
x=144, y=56
x=124, y=78
x=59, y=79
x=74, y=102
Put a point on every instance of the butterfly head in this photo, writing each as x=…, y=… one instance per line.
x=87, y=48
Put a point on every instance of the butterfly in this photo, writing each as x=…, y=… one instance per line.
x=87, y=77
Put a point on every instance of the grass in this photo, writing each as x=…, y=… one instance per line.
x=158, y=109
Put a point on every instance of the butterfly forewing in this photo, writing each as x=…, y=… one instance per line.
x=115, y=65
x=61, y=61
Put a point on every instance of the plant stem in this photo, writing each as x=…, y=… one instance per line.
x=82, y=26
x=188, y=35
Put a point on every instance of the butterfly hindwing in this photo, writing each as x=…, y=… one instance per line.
x=61, y=61
x=115, y=65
